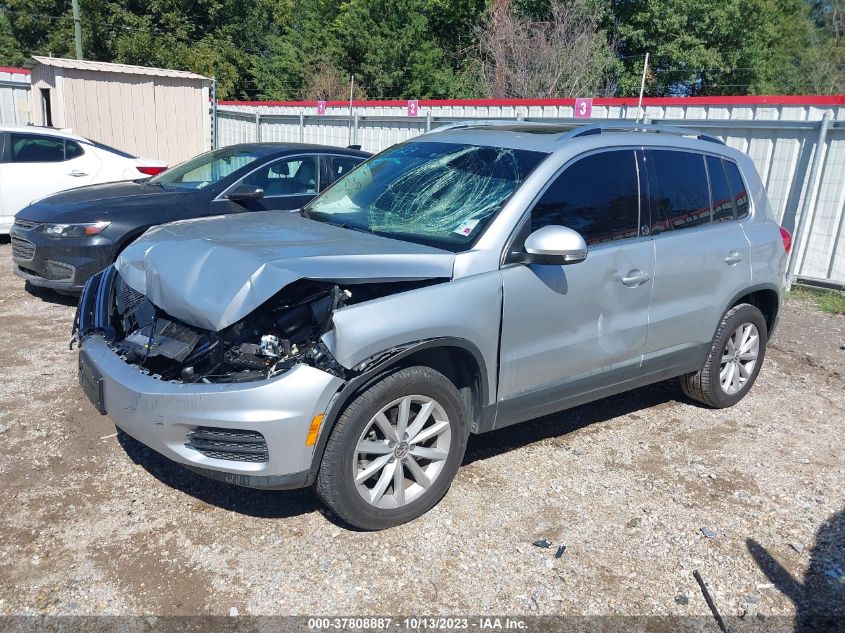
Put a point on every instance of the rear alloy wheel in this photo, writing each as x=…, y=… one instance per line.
x=734, y=361
x=394, y=450
x=739, y=358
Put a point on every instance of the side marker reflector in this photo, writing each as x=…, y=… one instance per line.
x=316, y=423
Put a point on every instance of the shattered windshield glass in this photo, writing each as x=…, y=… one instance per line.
x=442, y=194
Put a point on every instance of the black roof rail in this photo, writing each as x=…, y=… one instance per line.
x=623, y=126
x=504, y=122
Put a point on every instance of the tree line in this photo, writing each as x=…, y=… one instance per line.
x=400, y=49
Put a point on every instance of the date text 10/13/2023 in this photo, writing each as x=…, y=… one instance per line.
x=377, y=623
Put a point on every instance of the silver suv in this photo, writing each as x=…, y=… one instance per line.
x=466, y=280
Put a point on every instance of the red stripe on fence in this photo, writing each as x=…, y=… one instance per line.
x=744, y=100
x=14, y=71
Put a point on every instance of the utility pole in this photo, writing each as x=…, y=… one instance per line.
x=77, y=29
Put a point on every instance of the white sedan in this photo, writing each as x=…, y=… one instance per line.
x=36, y=162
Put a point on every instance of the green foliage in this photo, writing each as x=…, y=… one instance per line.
x=830, y=301
x=304, y=40
x=391, y=45
x=716, y=46
x=290, y=49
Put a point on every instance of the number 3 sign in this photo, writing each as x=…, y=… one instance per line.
x=583, y=108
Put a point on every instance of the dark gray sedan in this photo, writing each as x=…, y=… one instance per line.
x=60, y=241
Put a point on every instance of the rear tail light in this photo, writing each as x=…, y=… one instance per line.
x=151, y=171
x=787, y=239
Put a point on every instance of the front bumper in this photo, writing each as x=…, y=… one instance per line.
x=163, y=414
x=59, y=263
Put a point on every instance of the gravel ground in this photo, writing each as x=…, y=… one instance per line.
x=94, y=523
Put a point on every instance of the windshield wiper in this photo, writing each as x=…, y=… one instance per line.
x=350, y=227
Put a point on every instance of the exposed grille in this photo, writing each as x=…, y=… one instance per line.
x=25, y=225
x=127, y=298
x=232, y=444
x=22, y=249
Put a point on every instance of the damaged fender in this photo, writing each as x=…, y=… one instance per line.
x=466, y=309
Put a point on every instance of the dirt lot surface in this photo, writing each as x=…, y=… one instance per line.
x=94, y=523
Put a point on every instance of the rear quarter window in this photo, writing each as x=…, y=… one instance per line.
x=738, y=191
x=723, y=202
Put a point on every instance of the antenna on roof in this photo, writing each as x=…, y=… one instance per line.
x=642, y=88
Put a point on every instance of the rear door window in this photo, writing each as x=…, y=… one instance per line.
x=740, y=195
x=38, y=148
x=339, y=166
x=598, y=196
x=682, y=197
x=720, y=192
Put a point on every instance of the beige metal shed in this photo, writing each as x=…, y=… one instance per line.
x=150, y=112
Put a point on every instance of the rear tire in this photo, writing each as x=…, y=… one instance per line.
x=394, y=450
x=734, y=361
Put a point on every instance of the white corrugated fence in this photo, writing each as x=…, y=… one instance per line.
x=14, y=96
x=779, y=133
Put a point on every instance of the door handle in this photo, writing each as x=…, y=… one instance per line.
x=635, y=277
x=734, y=257
x=76, y=173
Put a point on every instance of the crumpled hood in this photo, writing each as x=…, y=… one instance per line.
x=212, y=272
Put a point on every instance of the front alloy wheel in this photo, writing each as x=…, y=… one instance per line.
x=394, y=450
x=402, y=451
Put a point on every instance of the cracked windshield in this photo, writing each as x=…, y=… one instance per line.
x=442, y=194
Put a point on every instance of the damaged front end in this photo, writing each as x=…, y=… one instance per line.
x=285, y=331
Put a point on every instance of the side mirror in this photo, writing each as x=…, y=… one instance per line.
x=554, y=245
x=245, y=192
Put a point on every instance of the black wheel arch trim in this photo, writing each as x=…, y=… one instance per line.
x=750, y=290
x=375, y=368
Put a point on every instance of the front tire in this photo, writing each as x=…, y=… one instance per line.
x=394, y=450
x=734, y=361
